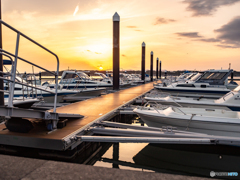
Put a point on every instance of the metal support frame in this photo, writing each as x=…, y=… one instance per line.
x=25, y=113
x=44, y=115
x=13, y=71
x=151, y=136
x=146, y=140
x=71, y=141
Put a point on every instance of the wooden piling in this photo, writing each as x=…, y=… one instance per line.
x=1, y=62
x=160, y=69
x=157, y=69
x=116, y=20
x=143, y=61
x=151, y=67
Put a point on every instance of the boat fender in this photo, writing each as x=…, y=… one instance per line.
x=19, y=125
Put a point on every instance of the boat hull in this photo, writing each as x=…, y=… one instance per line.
x=193, y=92
x=206, y=127
x=199, y=105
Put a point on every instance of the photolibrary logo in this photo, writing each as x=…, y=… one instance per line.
x=213, y=174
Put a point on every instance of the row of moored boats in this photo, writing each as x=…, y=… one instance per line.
x=204, y=103
x=73, y=86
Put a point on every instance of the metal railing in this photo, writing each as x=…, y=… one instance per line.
x=156, y=106
x=14, y=66
x=163, y=94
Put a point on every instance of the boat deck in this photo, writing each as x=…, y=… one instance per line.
x=92, y=110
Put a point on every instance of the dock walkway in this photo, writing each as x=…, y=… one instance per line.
x=93, y=110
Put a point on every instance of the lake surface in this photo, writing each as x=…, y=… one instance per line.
x=194, y=160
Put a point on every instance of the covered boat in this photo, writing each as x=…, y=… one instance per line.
x=208, y=121
x=230, y=101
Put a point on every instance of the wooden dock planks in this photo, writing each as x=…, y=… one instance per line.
x=91, y=109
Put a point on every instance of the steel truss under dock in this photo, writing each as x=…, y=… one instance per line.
x=94, y=110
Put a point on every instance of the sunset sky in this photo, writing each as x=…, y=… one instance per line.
x=184, y=34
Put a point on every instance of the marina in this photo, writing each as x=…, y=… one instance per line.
x=71, y=109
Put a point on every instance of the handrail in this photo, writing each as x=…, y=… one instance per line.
x=163, y=93
x=27, y=61
x=17, y=57
x=149, y=103
x=10, y=27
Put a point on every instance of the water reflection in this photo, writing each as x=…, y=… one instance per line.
x=196, y=160
x=193, y=160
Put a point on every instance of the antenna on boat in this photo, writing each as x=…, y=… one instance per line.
x=229, y=66
x=1, y=61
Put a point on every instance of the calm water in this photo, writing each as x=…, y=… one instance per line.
x=196, y=160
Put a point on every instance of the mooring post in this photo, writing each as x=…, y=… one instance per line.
x=232, y=75
x=157, y=69
x=160, y=70
x=116, y=20
x=40, y=77
x=143, y=61
x=1, y=62
x=151, y=67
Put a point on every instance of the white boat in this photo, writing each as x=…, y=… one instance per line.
x=230, y=101
x=124, y=82
x=80, y=80
x=39, y=91
x=133, y=79
x=193, y=77
x=208, y=121
x=212, y=84
x=185, y=76
x=20, y=91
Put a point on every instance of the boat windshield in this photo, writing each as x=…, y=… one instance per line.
x=237, y=89
x=213, y=75
x=189, y=76
x=195, y=77
x=83, y=75
x=71, y=76
x=102, y=75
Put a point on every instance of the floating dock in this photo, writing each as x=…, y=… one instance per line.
x=94, y=111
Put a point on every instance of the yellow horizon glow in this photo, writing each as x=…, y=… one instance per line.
x=81, y=34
